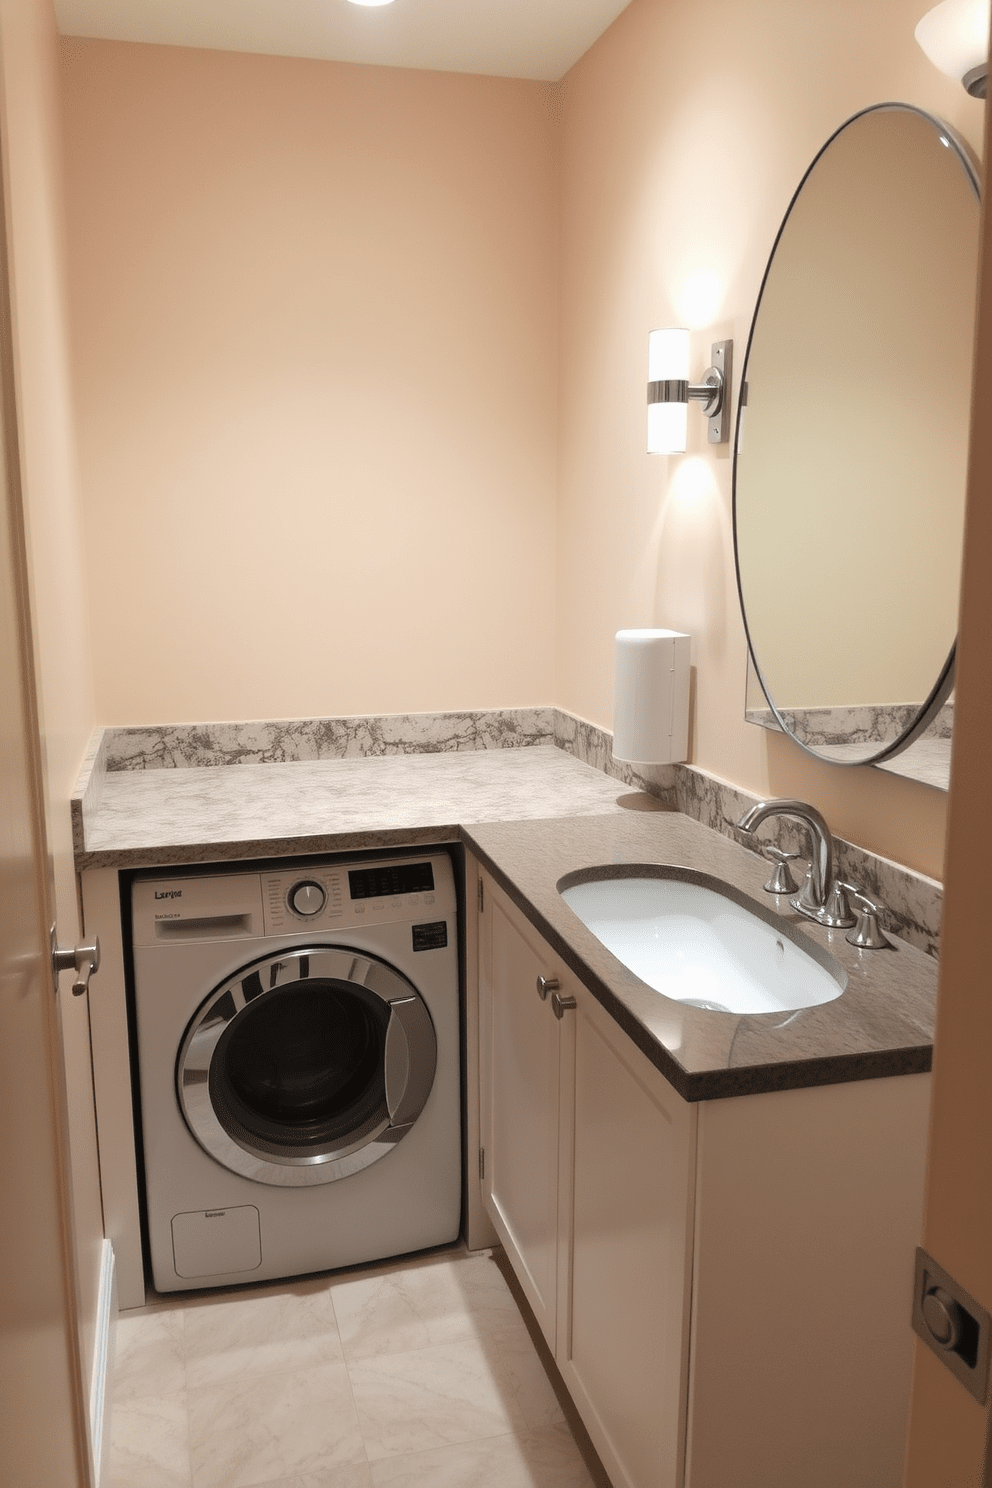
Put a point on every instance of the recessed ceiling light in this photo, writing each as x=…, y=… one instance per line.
x=371, y=2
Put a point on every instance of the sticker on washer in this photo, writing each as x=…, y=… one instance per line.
x=432, y=937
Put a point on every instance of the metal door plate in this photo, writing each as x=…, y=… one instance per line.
x=969, y=1358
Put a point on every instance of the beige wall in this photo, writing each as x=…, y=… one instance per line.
x=29, y=88
x=315, y=319
x=282, y=276
x=687, y=128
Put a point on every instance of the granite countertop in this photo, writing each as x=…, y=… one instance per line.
x=531, y=815
x=881, y=1025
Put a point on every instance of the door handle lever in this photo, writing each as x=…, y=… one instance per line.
x=84, y=960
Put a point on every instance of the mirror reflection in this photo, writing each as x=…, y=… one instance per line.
x=849, y=473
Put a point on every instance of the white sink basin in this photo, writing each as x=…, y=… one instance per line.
x=699, y=946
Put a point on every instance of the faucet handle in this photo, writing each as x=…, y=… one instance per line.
x=781, y=881
x=834, y=913
x=837, y=911
x=866, y=935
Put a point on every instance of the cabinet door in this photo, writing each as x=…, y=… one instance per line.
x=809, y=1210
x=628, y=1164
x=520, y=1059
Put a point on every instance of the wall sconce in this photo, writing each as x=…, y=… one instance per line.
x=670, y=391
x=955, y=36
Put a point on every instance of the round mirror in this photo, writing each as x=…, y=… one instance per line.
x=852, y=441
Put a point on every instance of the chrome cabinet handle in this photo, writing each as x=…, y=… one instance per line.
x=546, y=985
x=84, y=960
x=562, y=1005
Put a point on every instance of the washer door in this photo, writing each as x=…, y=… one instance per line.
x=306, y=1067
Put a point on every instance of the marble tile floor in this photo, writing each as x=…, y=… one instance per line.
x=412, y=1374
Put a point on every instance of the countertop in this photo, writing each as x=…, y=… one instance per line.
x=144, y=818
x=881, y=1025
x=532, y=815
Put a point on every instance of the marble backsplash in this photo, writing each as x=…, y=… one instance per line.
x=841, y=735
x=861, y=724
x=912, y=901
x=172, y=746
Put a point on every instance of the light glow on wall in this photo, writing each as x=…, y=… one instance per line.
x=699, y=299
x=692, y=481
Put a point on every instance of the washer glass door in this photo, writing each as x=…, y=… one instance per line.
x=306, y=1067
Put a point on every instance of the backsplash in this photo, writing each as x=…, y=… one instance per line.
x=173, y=746
x=913, y=901
x=863, y=724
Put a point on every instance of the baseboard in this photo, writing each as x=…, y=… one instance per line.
x=103, y=1360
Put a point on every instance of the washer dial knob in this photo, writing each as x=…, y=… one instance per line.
x=307, y=898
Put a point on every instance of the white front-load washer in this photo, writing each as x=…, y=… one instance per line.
x=299, y=1065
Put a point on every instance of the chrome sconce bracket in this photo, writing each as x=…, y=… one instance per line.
x=716, y=379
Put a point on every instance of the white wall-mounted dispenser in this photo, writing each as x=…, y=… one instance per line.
x=651, y=696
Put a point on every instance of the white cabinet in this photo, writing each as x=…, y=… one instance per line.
x=520, y=1134
x=589, y=1160
x=725, y=1285
x=626, y=1217
x=809, y=1207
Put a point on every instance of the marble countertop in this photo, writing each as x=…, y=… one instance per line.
x=531, y=815
x=881, y=1025
x=144, y=818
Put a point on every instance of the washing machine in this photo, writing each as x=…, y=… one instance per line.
x=298, y=1055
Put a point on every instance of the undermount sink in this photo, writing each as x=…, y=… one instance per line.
x=695, y=941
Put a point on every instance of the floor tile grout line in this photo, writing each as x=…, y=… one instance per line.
x=189, y=1422
x=189, y=1440
x=351, y=1389
x=479, y=1336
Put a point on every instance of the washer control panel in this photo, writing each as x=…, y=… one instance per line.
x=329, y=896
x=293, y=900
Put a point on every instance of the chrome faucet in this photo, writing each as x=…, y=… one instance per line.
x=821, y=896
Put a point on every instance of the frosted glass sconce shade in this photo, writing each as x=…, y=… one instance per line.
x=668, y=355
x=668, y=365
x=670, y=392
x=955, y=36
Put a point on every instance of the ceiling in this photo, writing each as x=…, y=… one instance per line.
x=505, y=38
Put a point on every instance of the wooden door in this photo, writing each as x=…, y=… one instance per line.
x=950, y=1441
x=43, y=1440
